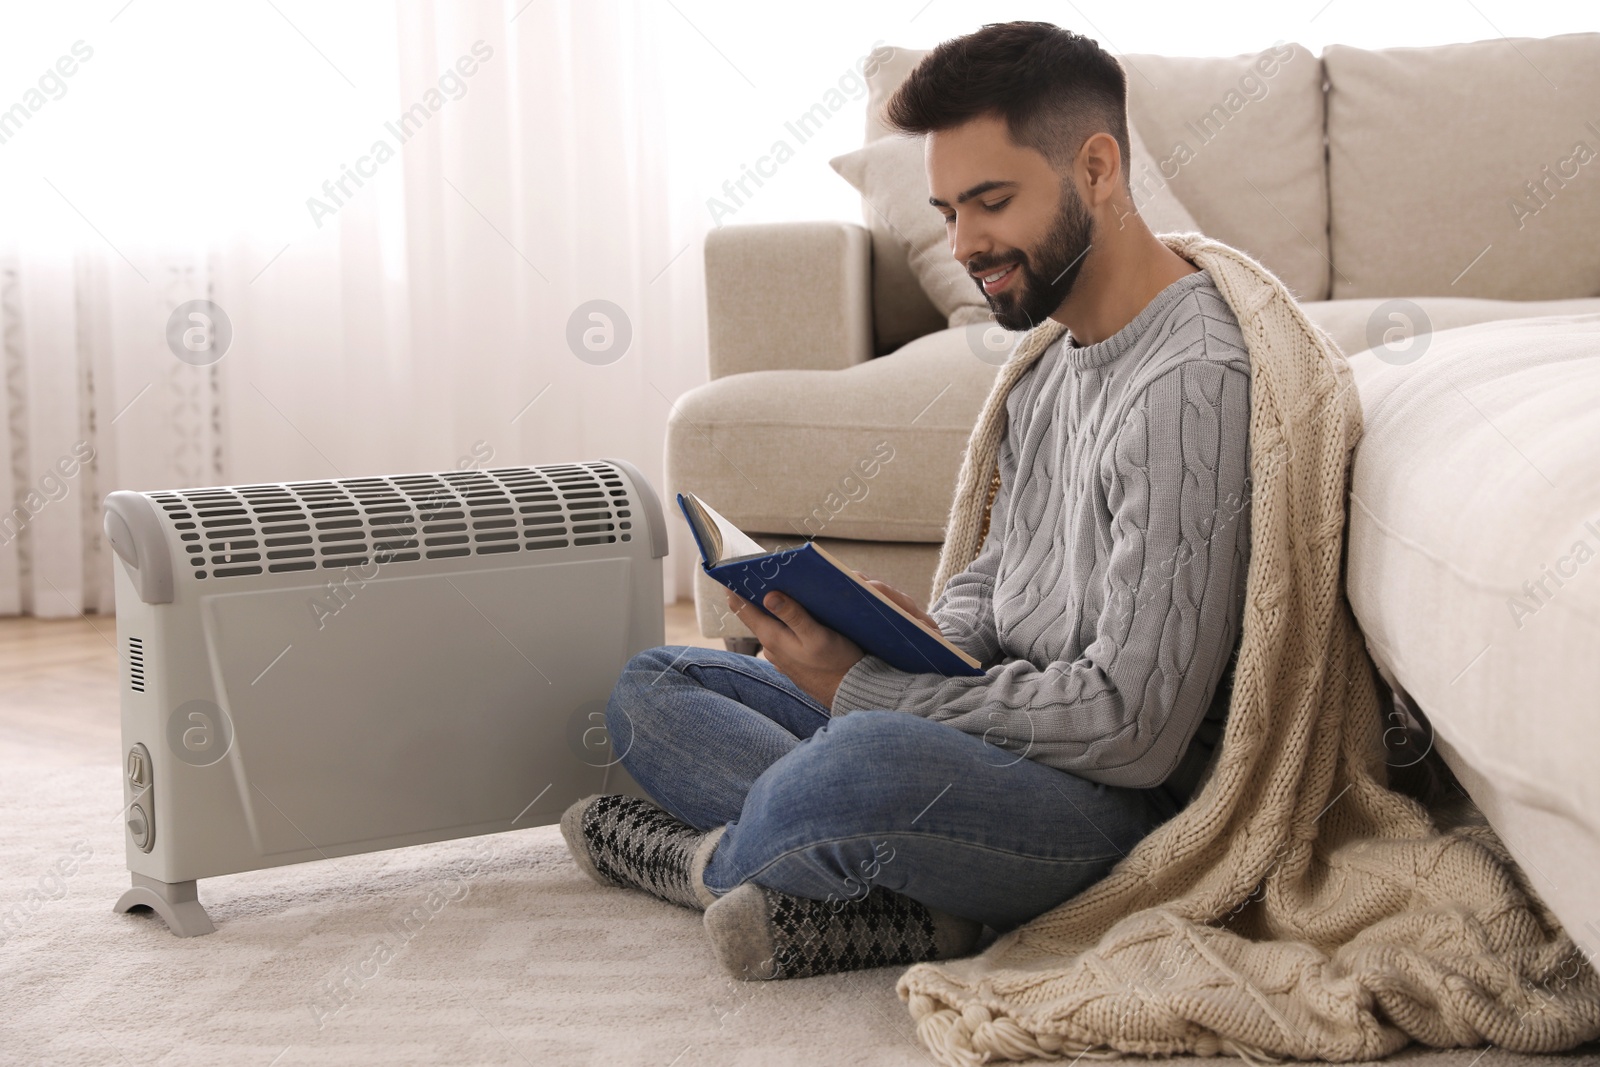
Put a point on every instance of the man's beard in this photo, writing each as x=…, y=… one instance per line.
x=1048, y=274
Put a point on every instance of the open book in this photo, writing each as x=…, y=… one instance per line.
x=831, y=592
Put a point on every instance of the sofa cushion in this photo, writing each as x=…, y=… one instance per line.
x=901, y=309
x=1473, y=569
x=892, y=177
x=1357, y=325
x=888, y=67
x=1240, y=141
x=1466, y=169
x=788, y=452
x=893, y=182
x=870, y=452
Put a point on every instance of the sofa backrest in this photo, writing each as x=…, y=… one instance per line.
x=901, y=310
x=1456, y=170
x=1241, y=140
x=1466, y=169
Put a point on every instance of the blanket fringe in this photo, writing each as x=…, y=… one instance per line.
x=973, y=1036
x=1248, y=1053
x=956, y=1043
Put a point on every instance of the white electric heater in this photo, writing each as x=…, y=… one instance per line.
x=317, y=669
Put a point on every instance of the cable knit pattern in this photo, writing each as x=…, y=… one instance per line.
x=1297, y=907
x=1109, y=590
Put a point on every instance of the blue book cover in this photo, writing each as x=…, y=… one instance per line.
x=829, y=590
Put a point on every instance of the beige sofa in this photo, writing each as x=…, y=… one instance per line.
x=1357, y=177
x=1398, y=193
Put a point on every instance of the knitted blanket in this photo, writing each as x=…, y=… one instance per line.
x=1297, y=907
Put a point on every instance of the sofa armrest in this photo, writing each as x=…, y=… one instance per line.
x=788, y=296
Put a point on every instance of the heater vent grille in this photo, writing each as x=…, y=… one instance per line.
x=243, y=530
x=136, y=664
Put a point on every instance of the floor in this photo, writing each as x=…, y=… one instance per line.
x=522, y=961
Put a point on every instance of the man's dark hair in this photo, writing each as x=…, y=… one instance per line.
x=1054, y=88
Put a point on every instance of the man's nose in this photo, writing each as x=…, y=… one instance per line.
x=968, y=242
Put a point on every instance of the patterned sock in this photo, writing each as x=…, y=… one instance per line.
x=761, y=933
x=630, y=843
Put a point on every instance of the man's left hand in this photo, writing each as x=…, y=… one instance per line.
x=814, y=657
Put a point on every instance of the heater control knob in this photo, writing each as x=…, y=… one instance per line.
x=139, y=794
x=139, y=827
x=138, y=768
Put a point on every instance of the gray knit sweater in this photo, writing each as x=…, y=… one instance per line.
x=1105, y=602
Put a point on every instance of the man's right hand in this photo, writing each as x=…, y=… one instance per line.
x=905, y=602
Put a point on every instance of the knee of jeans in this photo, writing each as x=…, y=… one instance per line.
x=845, y=761
x=866, y=734
x=626, y=700
x=654, y=659
x=643, y=670
x=630, y=697
x=619, y=717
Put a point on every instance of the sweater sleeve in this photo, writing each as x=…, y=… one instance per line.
x=1124, y=711
x=965, y=609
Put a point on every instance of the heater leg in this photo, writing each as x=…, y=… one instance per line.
x=176, y=902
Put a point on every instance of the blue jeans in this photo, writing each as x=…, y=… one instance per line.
x=825, y=808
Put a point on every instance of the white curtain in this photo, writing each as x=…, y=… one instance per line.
x=415, y=319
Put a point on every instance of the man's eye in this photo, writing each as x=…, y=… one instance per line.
x=996, y=206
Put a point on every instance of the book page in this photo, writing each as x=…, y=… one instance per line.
x=728, y=541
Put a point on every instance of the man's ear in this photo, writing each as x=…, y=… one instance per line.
x=1101, y=164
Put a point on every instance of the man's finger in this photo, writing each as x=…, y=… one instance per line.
x=910, y=605
x=792, y=614
x=897, y=596
x=764, y=628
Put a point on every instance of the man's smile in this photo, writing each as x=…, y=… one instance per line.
x=995, y=281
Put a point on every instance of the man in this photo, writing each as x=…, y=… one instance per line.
x=831, y=811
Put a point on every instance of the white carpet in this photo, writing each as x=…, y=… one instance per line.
x=524, y=961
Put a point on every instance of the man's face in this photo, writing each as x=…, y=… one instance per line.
x=1006, y=208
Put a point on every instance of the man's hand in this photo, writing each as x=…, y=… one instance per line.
x=905, y=602
x=814, y=657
